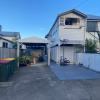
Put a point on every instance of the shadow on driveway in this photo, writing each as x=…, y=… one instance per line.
x=72, y=72
x=40, y=83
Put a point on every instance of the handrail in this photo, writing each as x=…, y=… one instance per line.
x=93, y=35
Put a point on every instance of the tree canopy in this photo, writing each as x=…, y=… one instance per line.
x=91, y=46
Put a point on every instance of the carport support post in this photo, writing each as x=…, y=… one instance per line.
x=44, y=52
x=49, y=53
x=18, y=52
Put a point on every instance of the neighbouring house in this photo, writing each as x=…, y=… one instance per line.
x=7, y=38
x=68, y=34
x=93, y=27
x=5, y=43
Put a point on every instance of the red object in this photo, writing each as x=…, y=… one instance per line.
x=4, y=61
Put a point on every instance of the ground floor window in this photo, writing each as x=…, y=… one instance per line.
x=5, y=44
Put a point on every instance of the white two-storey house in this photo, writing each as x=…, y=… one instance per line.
x=68, y=34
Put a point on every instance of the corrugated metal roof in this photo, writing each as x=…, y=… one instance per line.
x=6, y=39
x=3, y=33
x=93, y=17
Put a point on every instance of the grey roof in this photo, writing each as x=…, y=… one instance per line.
x=3, y=33
x=67, y=12
x=71, y=11
x=93, y=17
x=6, y=39
x=33, y=40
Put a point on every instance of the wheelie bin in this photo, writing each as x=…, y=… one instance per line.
x=12, y=60
x=4, y=70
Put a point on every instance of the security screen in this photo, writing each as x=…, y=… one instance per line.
x=92, y=26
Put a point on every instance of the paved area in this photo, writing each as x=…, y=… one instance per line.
x=72, y=72
x=40, y=83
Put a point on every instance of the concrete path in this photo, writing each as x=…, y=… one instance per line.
x=71, y=72
x=40, y=83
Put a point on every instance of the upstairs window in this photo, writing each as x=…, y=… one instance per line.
x=72, y=21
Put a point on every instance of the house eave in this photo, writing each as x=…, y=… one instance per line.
x=67, y=12
x=6, y=40
x=73, y=11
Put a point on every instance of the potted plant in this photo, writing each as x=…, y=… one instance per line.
x=28, y=60
x=33, y=58
x=22, y=61
x=15, y=63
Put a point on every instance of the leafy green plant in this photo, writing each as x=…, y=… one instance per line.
x=22, y=60
x=28, y=59
x=15, y=63
x=15, y=41
x=91, y=46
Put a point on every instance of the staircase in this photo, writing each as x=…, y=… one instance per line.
x=94, y=36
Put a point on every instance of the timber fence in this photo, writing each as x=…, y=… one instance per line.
x=7, y=53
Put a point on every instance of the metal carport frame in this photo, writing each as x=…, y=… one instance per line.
x=34, y=40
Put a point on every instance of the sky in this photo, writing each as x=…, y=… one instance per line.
x=36, y=17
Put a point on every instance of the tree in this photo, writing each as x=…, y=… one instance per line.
x=91, y=46
x=15, y=41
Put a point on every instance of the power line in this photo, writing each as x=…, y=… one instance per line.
x=81, y=3
x=95, y=12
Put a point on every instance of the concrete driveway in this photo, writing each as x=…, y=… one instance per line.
x=40, y=83
x=72, y=72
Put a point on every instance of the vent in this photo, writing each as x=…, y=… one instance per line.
x=61, y=21
x=62, y=24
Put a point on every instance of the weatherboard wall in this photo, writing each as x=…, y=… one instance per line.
x=54, y=34
x=8, y=37
x=72, y=32
x=10, y=45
